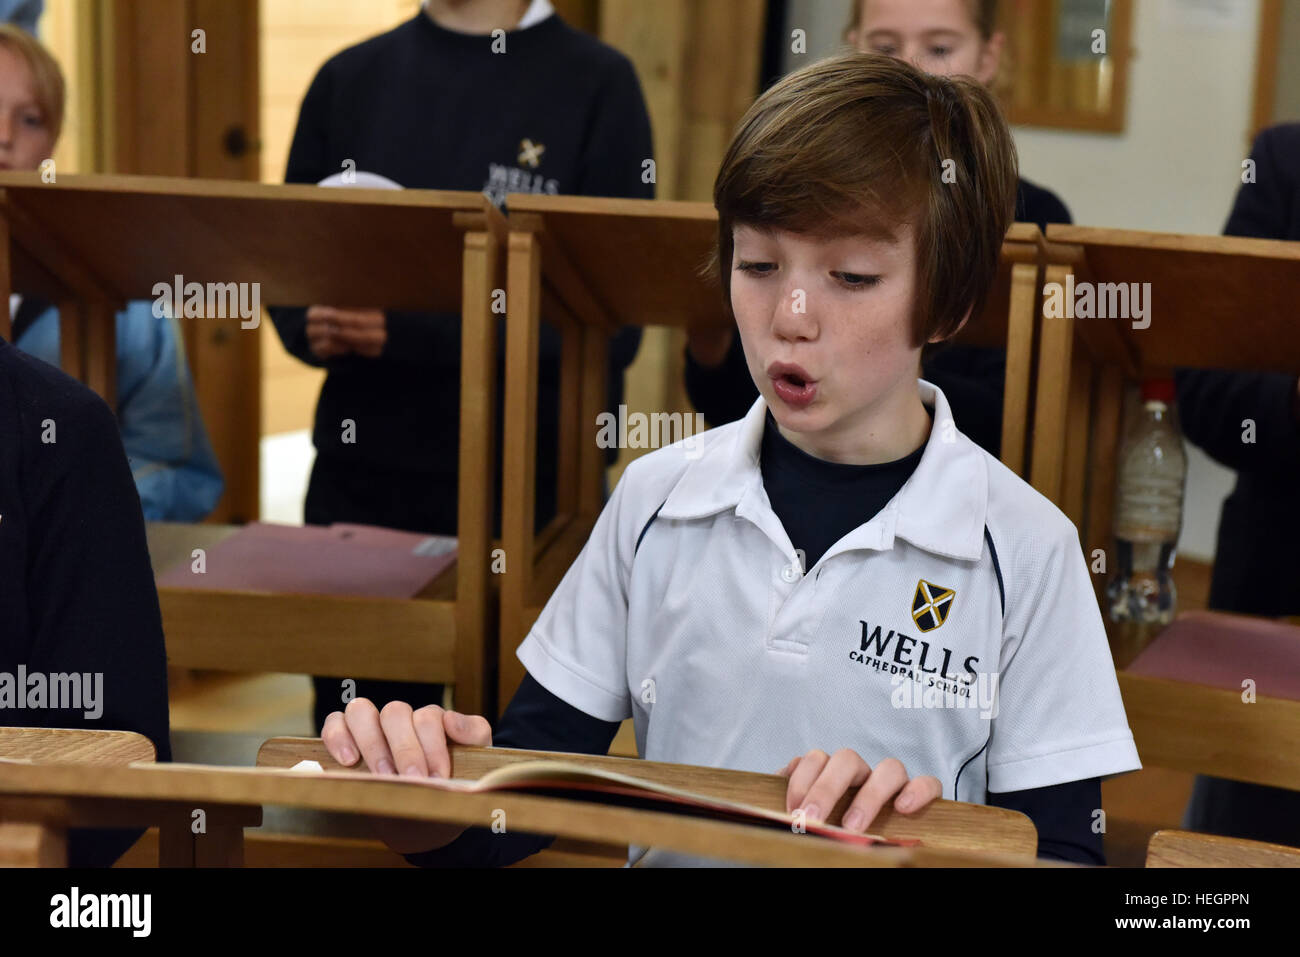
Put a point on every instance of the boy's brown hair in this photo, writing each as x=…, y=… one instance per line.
x=47, y=78
x=859, y=144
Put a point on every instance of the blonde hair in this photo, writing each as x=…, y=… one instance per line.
x=47, y=78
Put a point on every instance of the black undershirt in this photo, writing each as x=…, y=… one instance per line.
x=819, y=502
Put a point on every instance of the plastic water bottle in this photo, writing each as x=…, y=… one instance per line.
x=1152, y=468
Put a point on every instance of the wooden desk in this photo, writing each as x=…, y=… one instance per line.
x=301, y=634
x=1217, y=302
x=1189, y=849
x=1191, y=727
x=43, y=843
x=944, y=825
x=593, y=265
x=144, y=794
x=92, y=243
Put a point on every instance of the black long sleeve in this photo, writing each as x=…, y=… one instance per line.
x=536, y=720
x=1063, y=815
x=1214, y=407
x=79, y=593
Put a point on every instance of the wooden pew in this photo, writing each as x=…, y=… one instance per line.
x=44, y=843
x=943, y=826
x=146, y=793
x=1188, y=849
x=1217, y=302
x=92, y=243
x=1187, y=706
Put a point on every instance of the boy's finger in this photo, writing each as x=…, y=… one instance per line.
x=338, y=740
x=363, y=723
x=433, y=739
x=398, y=723
x=471, y=729
x=802, y=776
x=918, y=793
x=785, y=771
x=844, y=770
x=886, y=780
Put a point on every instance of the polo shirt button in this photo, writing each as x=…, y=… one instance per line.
x=790, y=573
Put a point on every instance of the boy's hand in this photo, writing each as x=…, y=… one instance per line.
x=818, y=781
x=413, y=742
x=333, y=332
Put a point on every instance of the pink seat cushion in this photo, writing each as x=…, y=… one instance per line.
x=1211, y=648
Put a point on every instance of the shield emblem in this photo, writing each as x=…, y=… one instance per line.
x=931, y=604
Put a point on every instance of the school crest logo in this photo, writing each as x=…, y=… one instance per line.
x=530, y=153
x=931, y=604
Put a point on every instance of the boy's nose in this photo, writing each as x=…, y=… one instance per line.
x=794, y=317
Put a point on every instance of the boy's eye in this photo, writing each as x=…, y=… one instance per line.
x=884, y=49
x=856, y=280
x=940, y=51
x=755, y=269
x=34, y=120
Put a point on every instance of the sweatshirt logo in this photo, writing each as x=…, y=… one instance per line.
x=530, y=153
x=931, y=604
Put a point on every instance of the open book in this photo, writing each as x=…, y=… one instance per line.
x=581, y=783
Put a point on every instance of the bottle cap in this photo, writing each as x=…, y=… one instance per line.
x=1161, y=390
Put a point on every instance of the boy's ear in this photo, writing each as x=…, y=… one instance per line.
x=933, y=340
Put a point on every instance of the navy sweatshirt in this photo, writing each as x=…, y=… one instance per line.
x=557, y=112
x=78, y=593
x=846, y=496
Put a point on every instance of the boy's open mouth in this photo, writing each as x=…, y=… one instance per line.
x=792, y=384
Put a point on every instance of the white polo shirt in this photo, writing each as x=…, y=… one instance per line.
x=688, y=611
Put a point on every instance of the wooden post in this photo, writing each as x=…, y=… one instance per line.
x=519, y=483
x=32, y=845
x=474, y=649
x=100, y=326
x=1056, y=338
x=1022, y=311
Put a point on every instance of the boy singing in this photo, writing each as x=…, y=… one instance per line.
x=834, y=584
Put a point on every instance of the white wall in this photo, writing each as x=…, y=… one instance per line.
x=1177, y=165
x=1175, y=168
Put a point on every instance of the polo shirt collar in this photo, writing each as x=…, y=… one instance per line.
x=940, y=508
